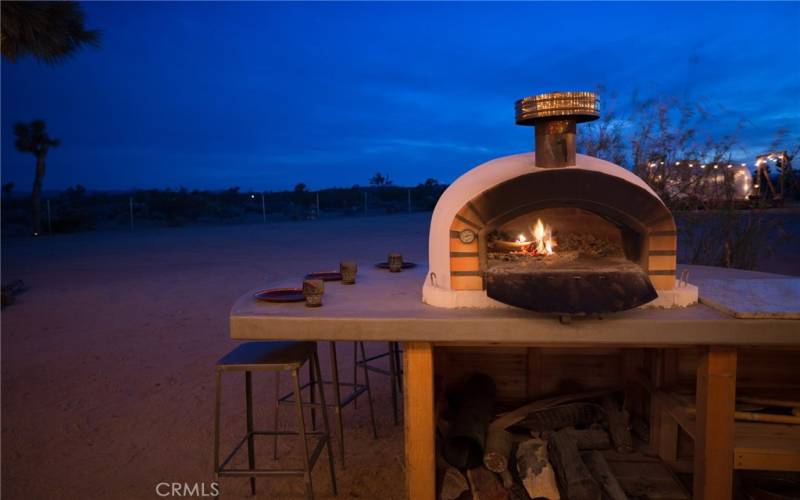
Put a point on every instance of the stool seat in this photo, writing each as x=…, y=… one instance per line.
x=267, y=356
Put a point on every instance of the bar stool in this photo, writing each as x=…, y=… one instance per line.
x=276, y=357
x=339, y=401
x=395, y=371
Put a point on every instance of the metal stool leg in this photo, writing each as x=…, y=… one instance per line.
x=399, y=366
x=275, y=417
x=315, y=360
x=251, y=459
x=355, y=371
x=304, y=441
x=393, y=382
x=337, y=398
x=369, y=390
x=217, y=398
x=313, y=398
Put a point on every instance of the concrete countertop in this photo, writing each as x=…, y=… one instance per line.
x=385, y=306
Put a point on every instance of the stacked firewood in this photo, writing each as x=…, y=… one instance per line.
x=549, y=449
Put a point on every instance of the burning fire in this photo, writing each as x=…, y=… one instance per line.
x=543, y=235
x=543, y=241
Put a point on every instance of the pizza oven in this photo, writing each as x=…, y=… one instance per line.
x=553, y=231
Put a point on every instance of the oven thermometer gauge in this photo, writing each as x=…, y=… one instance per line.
x=466, y=236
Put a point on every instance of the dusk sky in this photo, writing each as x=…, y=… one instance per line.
x=264, y=95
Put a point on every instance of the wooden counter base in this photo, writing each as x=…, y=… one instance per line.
x=388, y=307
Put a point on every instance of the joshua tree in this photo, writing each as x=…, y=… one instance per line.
x=48, y=31
x=379, y=180
x=32, y=138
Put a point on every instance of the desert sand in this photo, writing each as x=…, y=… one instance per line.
x=107, y=359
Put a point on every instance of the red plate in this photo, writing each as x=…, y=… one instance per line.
x=280, y=295
x=325, y=276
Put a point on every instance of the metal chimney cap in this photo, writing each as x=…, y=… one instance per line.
x=573, y=106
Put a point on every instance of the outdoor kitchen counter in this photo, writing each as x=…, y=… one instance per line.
x=388, y=306
x=385, y=306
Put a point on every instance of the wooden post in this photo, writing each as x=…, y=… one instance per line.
x=49, y=219
x=263, y=207
x=420, y=440
x=714, y=436
x=130, y=206
x=317, y=205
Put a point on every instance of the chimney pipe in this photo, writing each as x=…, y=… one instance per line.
x=554, y=116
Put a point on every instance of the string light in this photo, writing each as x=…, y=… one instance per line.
x=677, y=163
x=716, y=166
x=703, y=166
x=729, y=165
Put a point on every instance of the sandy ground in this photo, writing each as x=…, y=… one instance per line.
x=107, y=359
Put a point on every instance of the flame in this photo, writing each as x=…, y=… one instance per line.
x=543, y=239
x=521, y=238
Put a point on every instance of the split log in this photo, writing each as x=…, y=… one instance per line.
x=453, y=484
x=589, y=439
x=568, y=415
x=507, y=479
x=473, y=405
x=535, y=470
x=498, y=449
x=508, y=419
x=601, y=471
x=499, y=442
x=618, y=426
x=574, y=477
x=513, y=486
x=517, y=492
x=485, y=485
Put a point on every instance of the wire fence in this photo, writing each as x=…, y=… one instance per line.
x=77, y=209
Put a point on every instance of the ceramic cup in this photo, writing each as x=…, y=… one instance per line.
x=348, y=270
x=312, y=291
x=395, y=262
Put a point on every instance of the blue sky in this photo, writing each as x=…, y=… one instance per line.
x=266, y=95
